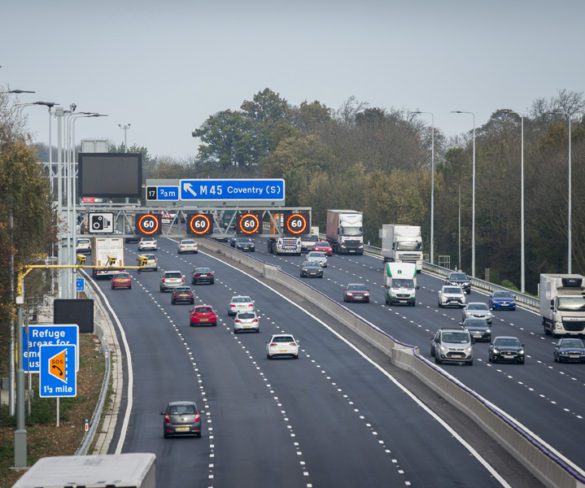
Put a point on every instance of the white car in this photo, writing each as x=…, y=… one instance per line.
x=317, y=257
x=245, y=321
x=240, y=303
x=477, y=310
x=147, y=261
x=83, y=245
x=148, y=244
x=282, y=345
x=451, y=296
x=188, y=245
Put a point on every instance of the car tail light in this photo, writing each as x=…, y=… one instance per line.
x=238, y=321
x=255, y=321
x=273, y=344
x=167, y=418
x=197, y=275
x=164, y=280
x=198, y=417
x=292, y=343
x=232, y=305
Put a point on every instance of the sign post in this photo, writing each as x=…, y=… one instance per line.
x=58, y=375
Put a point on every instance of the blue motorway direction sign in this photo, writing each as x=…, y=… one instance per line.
x=243, y=189
x=169, y=193
x=79, y=284
x=58, y=376
x=45, y=335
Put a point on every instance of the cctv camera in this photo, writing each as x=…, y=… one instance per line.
x=73, y=106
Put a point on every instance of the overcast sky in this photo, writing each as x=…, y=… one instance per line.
x=164, y=66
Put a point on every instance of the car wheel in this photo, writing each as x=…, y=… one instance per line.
x=130, y=287
x=198, y=435
x=437, y=359
x=469, y=363
x=156, y=268
x=296, y=357
x=172, y=302
x=236, y=331
x=165, y=435
x=161, y=290
x=521, y=361
x=440, y=305
x=212, y=282
x=268, y=356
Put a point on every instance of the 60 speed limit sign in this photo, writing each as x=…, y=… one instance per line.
x=199, y=224
x=296, y=223
x=147, y=224
x=249, y=223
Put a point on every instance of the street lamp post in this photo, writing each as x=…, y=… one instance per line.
x=472, y=193
x=125, y=128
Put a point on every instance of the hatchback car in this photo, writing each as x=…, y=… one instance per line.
x=282, y=345
x=477, y=310
x=181, y=418
x=506, y=348
x=308, y=242
x=121, y=280
x=451, y=296
x=240, y=303
x=148, y=262
x=311, y=270
x=203, y=315
x=188, y=245
x=356, y=292
x=182, y=294
x=478, y=329
x=148, y=244
x=246, y=321
x=202, y=275
x=459, y=279
x=502, y=300
x=452, y=345
x=317, y=257
x=323, y=246
x=83, y=245
x=245, y=244
x=569, y=349
x=170, y=280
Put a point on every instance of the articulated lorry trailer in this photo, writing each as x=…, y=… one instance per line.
x=107, y=251
x=402, y=244
x=562, y=304
x=345, y=231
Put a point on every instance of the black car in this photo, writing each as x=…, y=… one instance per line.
x=181, y=418
x=479, y=329
x=569, y=349
x=203, y=275
x=311, y=270
x=182, y=294
x=245, y=244
x=460, y=279
x=506, y=348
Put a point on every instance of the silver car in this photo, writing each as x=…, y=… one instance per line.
x=246, y=321
x=317, y=257
x=477, y=310
x=148, y=244
x=451, y=296
x=240, y=303
x=188, y=245
x=452, y=345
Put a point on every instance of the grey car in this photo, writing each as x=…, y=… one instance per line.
x=181, y=418
x=453, y=346
x=317, y=257
x=478, y=329
x=477, y=310
x=311, y=269
x=459, y=279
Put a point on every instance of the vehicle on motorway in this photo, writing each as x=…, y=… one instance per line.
x=148, y=244
x=569, y=350
x=282, y=345
x=121, y=280
x=133, y=239
x=202, y=275
x=562, y=304
x=290, y=245
x=308, y=242
x=246, y=321
x=345, y=232
x=479, y=329
x=188, y=245
x=108, y=254
x=203, y=315
x=400, y=283
x=240, y=303
x=458, y=278
x=182, y=294
x=311, y=269
x=452, y=346
x=317, y=257
x=402, y=244
x=451, y=296
x=245, y=244
x=147, y=261
x=170, y=280
x=356, y=292
x=83, y=245
x=478, y=310
x=506, y=348
x=502, y=300
x=181, y=418
x=323, y=246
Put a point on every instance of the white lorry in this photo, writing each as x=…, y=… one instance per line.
x=402, y=244
x=400, y=283
x=106, y=252
x=345, y=231
x=562, y=304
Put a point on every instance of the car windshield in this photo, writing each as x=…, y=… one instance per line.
x=571, y=343
x=246, y=315
x=571, y=303
x=188, y=241
x=503, y=294
x=475, y=323
x=147, y=239
x=182, y=409
x=311, y=264
x=202, y=270
x=311, y=238
x=203, y=309
x=173, y=274
x=316, y=254
x=453, y=290
x=322, y=243
x=245, y=240
x=241, y=299
x=182, y=289
x=402, y=283
x=149, y=256
x=123, y=275
x=456, y=337
x=82, y=241
x=458, y=276
x=506, y=342
x=477, y=306
x=357, y=287
x=283, y=339
x=408, y=246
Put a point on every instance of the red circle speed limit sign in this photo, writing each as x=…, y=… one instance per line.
x=296, y=223
x=199, y=224
x=147, y=224
x=249, y=223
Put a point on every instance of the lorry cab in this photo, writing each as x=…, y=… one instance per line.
x=400, y=283
x=562, y=304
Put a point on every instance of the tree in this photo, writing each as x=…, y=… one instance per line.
x=266, y=107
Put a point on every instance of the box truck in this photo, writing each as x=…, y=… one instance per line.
x=402, y=244
x=400, y=283
x=345, y=231
x=107, y=251
x=308, y=241
x=562, y=304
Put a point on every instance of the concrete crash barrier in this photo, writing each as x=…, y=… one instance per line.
x=548, y=465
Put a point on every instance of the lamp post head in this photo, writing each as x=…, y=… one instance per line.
x=20, y=91
x=46, y=104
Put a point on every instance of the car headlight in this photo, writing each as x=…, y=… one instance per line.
x=495, y=351
x=521, y=352
x=468, y=350
x=442, y=348
x=489, y=331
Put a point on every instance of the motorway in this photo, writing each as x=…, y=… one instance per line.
x=331, y=418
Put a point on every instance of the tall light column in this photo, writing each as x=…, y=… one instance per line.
x=570, y=212
x=472, y=193
x=125, y=128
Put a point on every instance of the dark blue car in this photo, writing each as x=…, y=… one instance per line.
x=502, y=300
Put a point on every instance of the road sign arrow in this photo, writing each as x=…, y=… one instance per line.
x=57, y=367
x=189, y=188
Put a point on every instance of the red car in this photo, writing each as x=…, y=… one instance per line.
x=182, y=294
x=122, y=280
x=323, y=246
x=203, y=315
